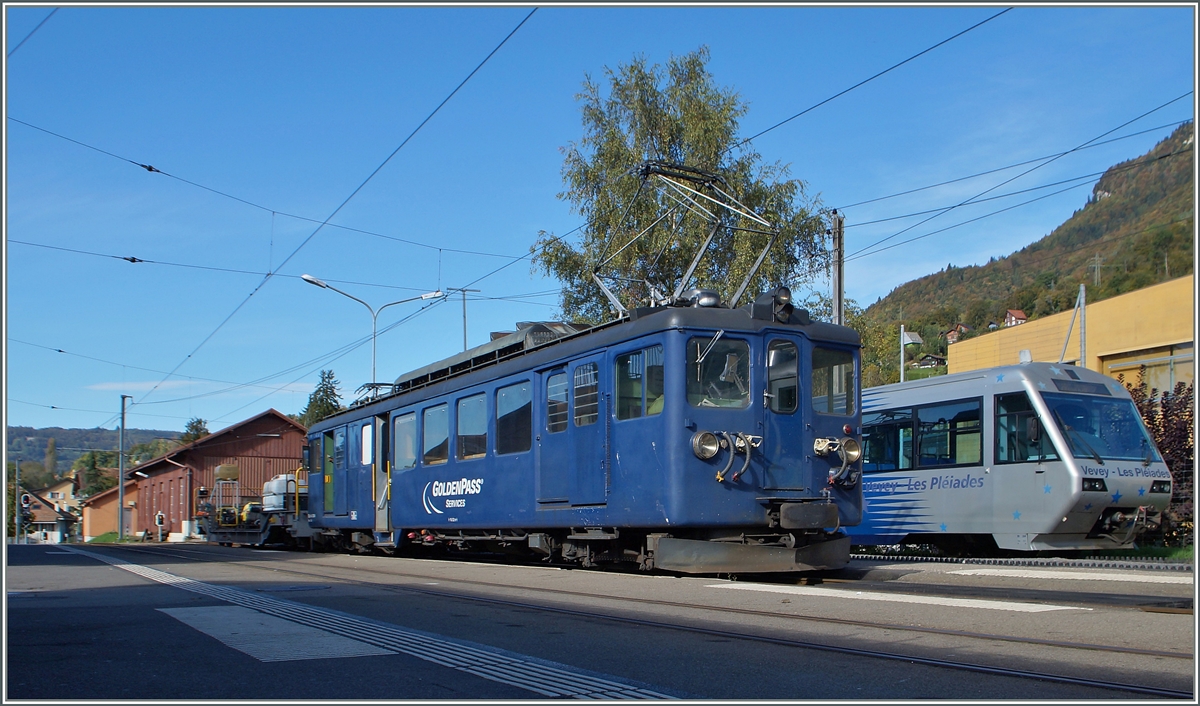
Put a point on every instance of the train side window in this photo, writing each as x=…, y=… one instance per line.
x=557, y=413
x=655, y=384
x=782, y=376
x=404, y=436
x=833, y=389
x=629, y=374
x=887, y=440
x=436, y=428
x=950, y=434
x=514, y=418
x=339, y=447
x=1013, y=445
x=367, y=445
x=587, y=395
x=472, y=426
x=718, y=372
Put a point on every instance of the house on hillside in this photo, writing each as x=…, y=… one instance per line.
x=261, y=447
x=956, y=331
x=929, y=360
x=1014, y=317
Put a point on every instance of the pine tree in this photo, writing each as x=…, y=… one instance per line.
x=196, y=428
x=324, y=400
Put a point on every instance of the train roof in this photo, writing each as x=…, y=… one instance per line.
x=1049, y=376
x=543, y=342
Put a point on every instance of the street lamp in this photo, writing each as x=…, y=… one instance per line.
x=374, y=312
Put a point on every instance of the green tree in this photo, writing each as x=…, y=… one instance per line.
x=96, y=467
x=140, y=453
x=676, y=115
x=196, y=428
x=324, y=400
x=51, y=459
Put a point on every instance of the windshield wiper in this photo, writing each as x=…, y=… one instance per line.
x=1087, y=447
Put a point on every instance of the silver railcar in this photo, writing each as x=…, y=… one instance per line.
x=1037, y=456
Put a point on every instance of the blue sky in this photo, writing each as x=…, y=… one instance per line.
x=292, y=108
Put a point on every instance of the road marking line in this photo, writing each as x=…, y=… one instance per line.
x=900, y=598
x=1075, y=575
x=551, y=679
x=270, y=639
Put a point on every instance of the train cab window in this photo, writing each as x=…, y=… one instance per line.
x=887, y=440
x=833, y=390
x=629, y=385
x=472, y=427
x=781, y=376
x=436, y=438
x=367, y=443
x=718, y=372
x=950, y=434
x=1015, y=420
x=339, y=447
x=640, y=383
x=557, y=413
x=587, y=394
x=514, y=418
x=404, y=439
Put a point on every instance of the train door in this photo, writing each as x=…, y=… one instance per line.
x=335, y=482
x=380, y=472
x=552, y=482
x=572, y=459
x=1020, y=483
x=785, y=436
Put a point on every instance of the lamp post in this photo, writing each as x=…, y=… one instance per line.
x=374, y=312
x=121, y=472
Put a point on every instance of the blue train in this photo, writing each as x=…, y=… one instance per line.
x=692, y=437
x=1029, y=457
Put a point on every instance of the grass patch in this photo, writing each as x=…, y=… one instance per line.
x=109, y=538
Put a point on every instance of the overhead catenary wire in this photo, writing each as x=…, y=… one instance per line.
x=1175, y=124
x=865, y=81
x=1011, y=179
x=345, y=201
x=31, y=33
x=274, y=212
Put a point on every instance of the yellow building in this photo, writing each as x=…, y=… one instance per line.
x=1154, y=326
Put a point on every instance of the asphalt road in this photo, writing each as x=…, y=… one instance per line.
x=167, y=622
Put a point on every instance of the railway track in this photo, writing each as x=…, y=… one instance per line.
x=1040, y=562
x=466, y=586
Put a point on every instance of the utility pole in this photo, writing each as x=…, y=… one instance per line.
x=1082, y=326
x=1096, y=264
x=901, y=352
x=839, y=257
x=464, y=300
x=121, y=472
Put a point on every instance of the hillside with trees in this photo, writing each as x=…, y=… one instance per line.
x=1135, y=230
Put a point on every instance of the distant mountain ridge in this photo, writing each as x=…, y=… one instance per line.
x=29, y=443
x=1136, y=229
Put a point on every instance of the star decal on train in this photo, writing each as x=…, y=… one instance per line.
x=1016, y=514
x=1117, y=496
x=1056, y=371
x=1141, y=491
x=1046, y=489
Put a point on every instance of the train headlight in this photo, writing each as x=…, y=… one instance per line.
x=850, y=450
x=705, y=445
x=1096, y=484
x=1160, y=486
